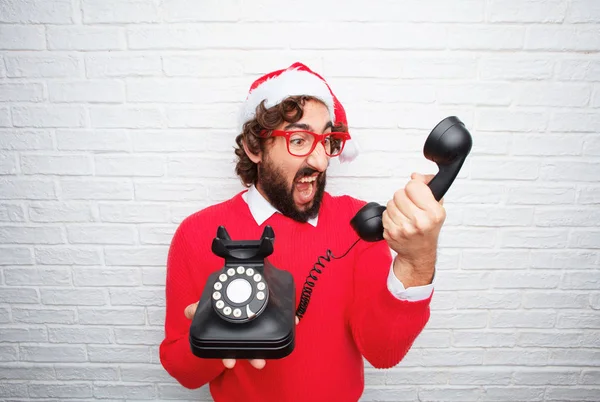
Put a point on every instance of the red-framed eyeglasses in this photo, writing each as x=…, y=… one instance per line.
x=302, y=143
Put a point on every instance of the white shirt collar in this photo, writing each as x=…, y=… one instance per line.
x=260, y=208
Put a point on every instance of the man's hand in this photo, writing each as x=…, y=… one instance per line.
x=412, y=222
x=229, y=363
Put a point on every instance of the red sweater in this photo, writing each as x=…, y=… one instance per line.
x=351, y=314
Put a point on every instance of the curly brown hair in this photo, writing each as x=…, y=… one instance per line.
x=290, y=110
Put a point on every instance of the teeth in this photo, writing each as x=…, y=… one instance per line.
x=307, y=179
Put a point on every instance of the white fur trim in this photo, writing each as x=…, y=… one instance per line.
x=350, y=152
x=288, y=83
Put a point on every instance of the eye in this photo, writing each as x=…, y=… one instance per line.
x=300, y=139
x=297, y=141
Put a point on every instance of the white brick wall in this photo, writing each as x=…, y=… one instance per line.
x=117, y=119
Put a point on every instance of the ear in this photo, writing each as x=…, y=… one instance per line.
x=256, y=158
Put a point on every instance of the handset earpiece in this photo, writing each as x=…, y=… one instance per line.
x=447, y=145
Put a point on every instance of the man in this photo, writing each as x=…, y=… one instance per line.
x=365, y=305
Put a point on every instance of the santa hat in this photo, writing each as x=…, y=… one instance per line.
x=296, y=80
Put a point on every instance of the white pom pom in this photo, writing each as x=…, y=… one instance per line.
x=350, y=151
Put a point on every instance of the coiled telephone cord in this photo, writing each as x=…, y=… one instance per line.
x=312, y=277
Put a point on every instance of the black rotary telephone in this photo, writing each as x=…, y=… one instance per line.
x=247, y=308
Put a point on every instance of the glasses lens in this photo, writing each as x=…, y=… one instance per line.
x=335, y=144
x=300, y=143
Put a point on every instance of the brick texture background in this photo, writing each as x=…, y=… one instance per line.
x=117, y=120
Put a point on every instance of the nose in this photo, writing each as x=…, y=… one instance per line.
x=318, y=159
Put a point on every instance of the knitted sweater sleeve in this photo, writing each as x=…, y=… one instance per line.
x=175, y=353
x=383, y=326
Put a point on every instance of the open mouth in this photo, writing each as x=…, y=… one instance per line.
x=305, y=189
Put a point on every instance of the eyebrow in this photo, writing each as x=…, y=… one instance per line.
x=303, y=126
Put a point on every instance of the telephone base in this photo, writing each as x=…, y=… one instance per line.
x=271, y=335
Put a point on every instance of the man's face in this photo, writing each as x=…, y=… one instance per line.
x=295, y=185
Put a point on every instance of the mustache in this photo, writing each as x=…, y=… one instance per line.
x=305, y=171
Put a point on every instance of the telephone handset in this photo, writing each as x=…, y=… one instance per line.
x=448, y=145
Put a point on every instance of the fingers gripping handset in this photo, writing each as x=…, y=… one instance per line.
x=447, y=145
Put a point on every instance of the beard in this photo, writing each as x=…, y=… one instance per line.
x=281, y=195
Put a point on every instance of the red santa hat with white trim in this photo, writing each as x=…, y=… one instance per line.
x=296, y=80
